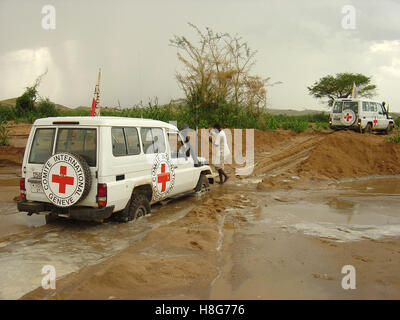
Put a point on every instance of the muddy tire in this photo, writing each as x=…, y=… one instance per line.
x=389, y=129
x=202, y=185
x=368, y=128
x=138, y=207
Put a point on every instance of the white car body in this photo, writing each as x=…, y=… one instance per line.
x=360, y=115
x=116, y=158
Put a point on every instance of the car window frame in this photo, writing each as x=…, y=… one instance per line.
x=33, y=140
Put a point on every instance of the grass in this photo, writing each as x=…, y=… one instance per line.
x=393, y=139
x=228, y=116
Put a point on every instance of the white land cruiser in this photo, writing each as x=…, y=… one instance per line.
x=362, y=115
x=88, y=168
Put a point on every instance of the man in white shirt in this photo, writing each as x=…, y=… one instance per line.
x=221, y=149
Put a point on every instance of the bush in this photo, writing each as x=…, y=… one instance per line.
x=295, y=125
x=45, y=108
x=7, y=113
x=4, y=134
x=397, y=122
x=393, y=139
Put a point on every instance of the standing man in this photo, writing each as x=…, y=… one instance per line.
x=221, y=149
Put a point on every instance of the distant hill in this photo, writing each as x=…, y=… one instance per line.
x=290, y=112
x=11, y=103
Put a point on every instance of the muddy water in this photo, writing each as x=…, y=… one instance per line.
x=279, y=245
x=293, y=244
x=27, y=244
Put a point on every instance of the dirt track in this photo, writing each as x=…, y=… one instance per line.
x=283, y=232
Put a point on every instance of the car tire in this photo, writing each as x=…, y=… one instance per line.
x=389, y=128
x=368, y=128
x=202, y=185
x=138, y=206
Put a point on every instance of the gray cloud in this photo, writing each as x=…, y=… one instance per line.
x=297, y=41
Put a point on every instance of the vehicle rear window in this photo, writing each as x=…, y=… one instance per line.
x=80, y=141
x=338, y=107
x=353, y=105
x=42, y=146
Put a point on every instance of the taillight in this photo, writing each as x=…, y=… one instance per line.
x=102, y=194
x=359, y=121
x=22, y=190
x=330, y=120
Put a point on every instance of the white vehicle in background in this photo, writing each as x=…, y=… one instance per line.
x=361, y=115
x=89, y=168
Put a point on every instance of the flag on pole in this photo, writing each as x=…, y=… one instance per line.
x=93, y=112
x=96, y=99
x=354, y=92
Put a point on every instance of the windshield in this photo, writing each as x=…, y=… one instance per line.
x=80, y=141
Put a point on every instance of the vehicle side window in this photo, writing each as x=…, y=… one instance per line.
x=373, y=106
x=118, y=142
x=159, y=140
x=175, y=143
x=153, y=140
x=42, y=146
x=132, y=140
x=147, y=140
x=365, y=106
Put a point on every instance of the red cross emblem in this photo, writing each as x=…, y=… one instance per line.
x=163, y=178
x=348, y=117
x=375, y=121
x=62, y=179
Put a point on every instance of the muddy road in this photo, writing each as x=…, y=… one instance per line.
x=285, y=231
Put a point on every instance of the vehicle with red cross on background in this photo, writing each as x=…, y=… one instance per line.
x=361, y=115
x=90, y=168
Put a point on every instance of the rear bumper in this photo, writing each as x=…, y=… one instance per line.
x=76, y=213
x=341, y=127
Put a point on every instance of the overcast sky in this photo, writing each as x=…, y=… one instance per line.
x=298, y=42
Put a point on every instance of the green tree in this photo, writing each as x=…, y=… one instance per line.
x=46, y=108
x=217, y=71
x=341, y=86
x=25, y=104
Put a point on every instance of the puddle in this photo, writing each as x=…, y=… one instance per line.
x=352, y=210
x=69, y=245
x=271, y=254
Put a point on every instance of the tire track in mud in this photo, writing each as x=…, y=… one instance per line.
x=288, y=157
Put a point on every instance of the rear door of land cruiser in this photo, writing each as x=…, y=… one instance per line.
x=46, y=141
x=341, y=110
